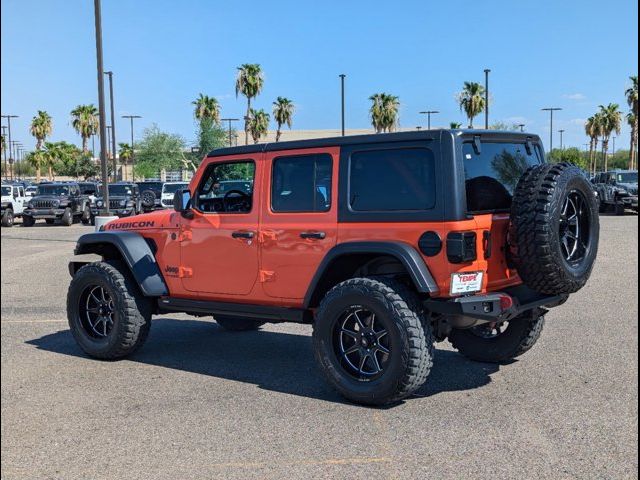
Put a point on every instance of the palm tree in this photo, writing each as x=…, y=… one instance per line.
x=258, y=124
x=471, y=100
x=455, y=125
x=283, y=114
x=85, y=121
x=632, y=120
x=41, y=128
x=207, y=107
x=632, y=99
x=125, y=154
x=593, y=129
x=611, y=119
x=384, y=112
x=249, y=82
x=37, y=160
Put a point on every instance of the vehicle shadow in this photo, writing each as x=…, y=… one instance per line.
x=275, y=361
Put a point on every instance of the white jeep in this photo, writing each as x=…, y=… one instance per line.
x=13, y=203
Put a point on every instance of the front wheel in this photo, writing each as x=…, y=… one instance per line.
x=28, y=221
x=86, y=216
x=7, y=218
x=498, y=342
x=67, y=217
x=108, y=315
x=372, y=342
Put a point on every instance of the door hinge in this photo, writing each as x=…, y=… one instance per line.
x=267, y=276
x=185, y=272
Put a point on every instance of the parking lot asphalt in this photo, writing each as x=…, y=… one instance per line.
x=199, y=402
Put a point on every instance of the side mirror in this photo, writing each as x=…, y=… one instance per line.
x=182, y=203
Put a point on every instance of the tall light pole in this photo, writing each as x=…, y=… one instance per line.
x=9, y=117
x=613, y=153
x=521, y=125
x=486, y=98
x=551, y=110
x=133, y=150
x=4, y=148
x=428, y=113
x=113, y=125
x=561, y=131
x=230, y=133
x=109, y=153
x=15, y=144
x=102, y=115
x=342, y=76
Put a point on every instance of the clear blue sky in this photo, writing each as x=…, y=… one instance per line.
x=575, y=54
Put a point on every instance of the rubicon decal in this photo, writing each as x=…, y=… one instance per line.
x=128, y=225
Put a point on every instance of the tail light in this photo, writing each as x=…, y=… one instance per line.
x=461, y=247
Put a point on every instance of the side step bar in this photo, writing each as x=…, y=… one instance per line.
x=240, y=310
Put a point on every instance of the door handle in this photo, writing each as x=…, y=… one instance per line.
x=313, y=235
x=241, y=234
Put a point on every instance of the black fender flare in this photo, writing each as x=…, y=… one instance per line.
x=404, y=252
x=136, y=253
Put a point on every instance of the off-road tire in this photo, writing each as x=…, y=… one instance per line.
x=67, y=217
x=412, y=348
x=7, y=218
x=534, y=238
x=148, y=198
x=238, y=324
x=519, y=337
x=603, y=207
x=619, y=209
x=86, y=215
x=132, y=318
x=49, y=221
x=28, y=221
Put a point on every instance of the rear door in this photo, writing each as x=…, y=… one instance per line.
x=299, y=218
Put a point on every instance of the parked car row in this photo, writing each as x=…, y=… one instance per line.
x=71, y=202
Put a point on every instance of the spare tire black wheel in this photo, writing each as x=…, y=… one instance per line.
x=554, y=229
x=148, y=198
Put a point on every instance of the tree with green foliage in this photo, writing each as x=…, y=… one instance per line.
x=258, y=124
x=159, y=151
x=471, y=100
x=207, y=108
x=283, y=114
x=249, y=82
x=61, y=158
x=455, y=125
x=384, y=112
x=611, y=119
x=85, y=121
x=632, y=118
x=505, y=127
x=125, y=153
x=209, y=137
x=570, y=155
x=593, y=129
x=41, y=128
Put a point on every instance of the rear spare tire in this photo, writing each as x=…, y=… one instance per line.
x=148, y=198
x=554, y=229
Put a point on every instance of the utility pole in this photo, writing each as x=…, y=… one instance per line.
x=109, y=153
x=230, y=132
x=101, y=109
x=428, y=113
x=113, y=126
x=342, y=76
x=486, y=98
x=4, y=148
x=521, y=125
x=15, y=145
x=9, y=117
x=133, y=150
x=551, y=110
x=613, y=153
x=561, y=139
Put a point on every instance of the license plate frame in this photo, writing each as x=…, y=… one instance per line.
x=463, y=283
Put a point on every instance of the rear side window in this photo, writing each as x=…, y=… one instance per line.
x=401, y=179
x=301, y=183
x=492, y=175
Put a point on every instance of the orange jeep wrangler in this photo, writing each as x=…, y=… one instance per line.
x=384, y=243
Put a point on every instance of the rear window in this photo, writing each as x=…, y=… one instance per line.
x=400, y=179
x=492, y=175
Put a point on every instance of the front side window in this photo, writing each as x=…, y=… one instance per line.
x=400, y=179
x=492, y=173
x=6, y=191
x=302, y=183
x=226, y=188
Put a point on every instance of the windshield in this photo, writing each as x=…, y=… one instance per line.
x=492, y=174
x=88, y=188
x=627, y=177
x=56, y=190
x=173, y=187
x=121, y=190
x=6, y=191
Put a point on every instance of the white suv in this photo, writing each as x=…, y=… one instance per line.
x=13, y=203
x=168, y=191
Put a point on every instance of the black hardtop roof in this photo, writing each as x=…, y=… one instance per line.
x=414, y=135
x=65, y=183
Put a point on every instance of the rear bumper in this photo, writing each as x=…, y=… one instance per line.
x=495, y=306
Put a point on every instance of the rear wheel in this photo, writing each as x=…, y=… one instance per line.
x=108, y=315
x=7, y=218
x=238, y=324
x=498, y=342
x=372, y=342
